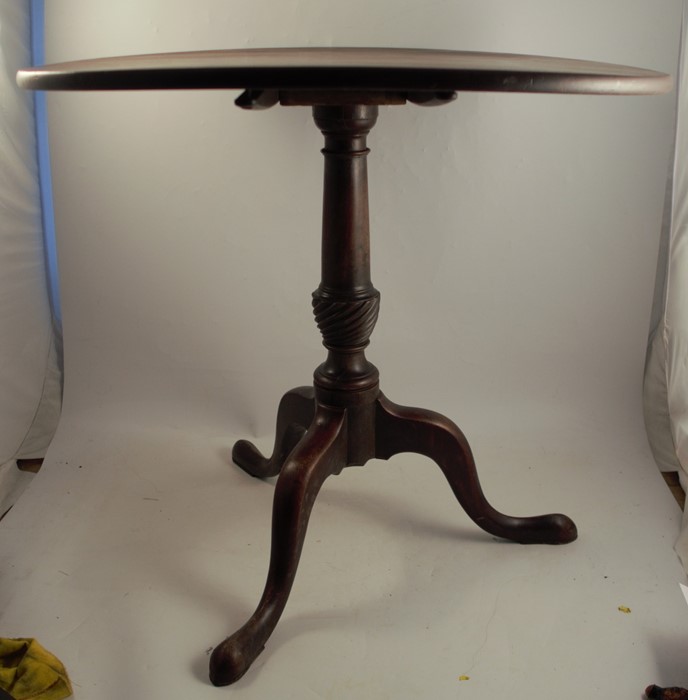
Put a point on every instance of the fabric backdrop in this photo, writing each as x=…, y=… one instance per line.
x=666, y=382
x=29, y=374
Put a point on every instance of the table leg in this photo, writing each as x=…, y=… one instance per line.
x=321, y=452
x=402, y=429
x=294, y=415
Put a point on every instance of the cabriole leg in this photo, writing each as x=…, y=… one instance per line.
x=401, y=429
x=294, y=415
x=319, y=454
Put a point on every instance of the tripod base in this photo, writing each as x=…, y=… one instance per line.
x=315, y=440
x=344, y=420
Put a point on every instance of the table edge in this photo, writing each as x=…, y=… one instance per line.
x=94, y=75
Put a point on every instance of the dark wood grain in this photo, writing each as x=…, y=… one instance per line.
x=377, y=69
x=345, y=420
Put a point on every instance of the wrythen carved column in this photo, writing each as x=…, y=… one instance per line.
x=346, y=303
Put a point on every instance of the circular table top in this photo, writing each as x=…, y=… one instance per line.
x=346, y=69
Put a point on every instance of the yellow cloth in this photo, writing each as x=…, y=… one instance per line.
x=29, y=672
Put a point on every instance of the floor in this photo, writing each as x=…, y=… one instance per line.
x=134, y=552
x=671, y=479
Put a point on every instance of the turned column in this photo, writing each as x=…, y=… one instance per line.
x=346, y=303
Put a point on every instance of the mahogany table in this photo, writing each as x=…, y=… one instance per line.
x=344, y=419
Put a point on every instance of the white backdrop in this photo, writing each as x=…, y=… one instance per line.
x=514, y=241
x=29, y=374
x=666, y=384
x=188, y=229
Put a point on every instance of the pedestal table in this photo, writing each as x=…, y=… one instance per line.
x=343, y=419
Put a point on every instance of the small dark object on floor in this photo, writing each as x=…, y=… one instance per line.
x=674, y=484
x=29, y=465
x=654, y=692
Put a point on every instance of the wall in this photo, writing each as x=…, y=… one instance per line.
x=514, y=237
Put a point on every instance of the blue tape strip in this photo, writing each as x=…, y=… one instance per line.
x=44, y=173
